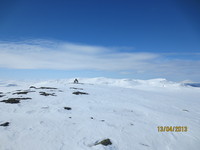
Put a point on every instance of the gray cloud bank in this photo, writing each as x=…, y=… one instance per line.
x=43, y=54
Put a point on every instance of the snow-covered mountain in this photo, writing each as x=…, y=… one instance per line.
x=99, y=114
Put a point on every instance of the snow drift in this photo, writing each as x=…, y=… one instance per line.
x=106, y=114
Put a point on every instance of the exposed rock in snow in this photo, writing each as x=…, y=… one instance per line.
x=80, y=93
x=104, y=142
x=14, y=100
x=5, y=124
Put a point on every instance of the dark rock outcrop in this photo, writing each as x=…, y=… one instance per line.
x=47, y=94
x=67, y=108
x=5, y=124
x=14, y=100
x=80, y=93
x=104, y=142
x=23, y=92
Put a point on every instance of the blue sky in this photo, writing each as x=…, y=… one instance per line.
x=88, y=38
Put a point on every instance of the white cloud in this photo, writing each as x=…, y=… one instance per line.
x=40, y=55
x=43, y=54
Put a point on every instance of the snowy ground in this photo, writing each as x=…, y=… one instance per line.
x=127, y=112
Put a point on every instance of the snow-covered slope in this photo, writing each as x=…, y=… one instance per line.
x=128, y=112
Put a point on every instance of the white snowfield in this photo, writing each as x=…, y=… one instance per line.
x=128, y=112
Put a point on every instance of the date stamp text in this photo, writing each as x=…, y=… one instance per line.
x=172, y=128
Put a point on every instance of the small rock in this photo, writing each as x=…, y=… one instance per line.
x=24, y=92
x=33, y=87
x=2, y=95
x=5, y=124
x=52, y=88
x=67, y=108
x=79, y=93
x=105, y=142
x=47, y=94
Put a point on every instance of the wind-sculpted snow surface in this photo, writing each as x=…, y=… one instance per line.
x=115, y=114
